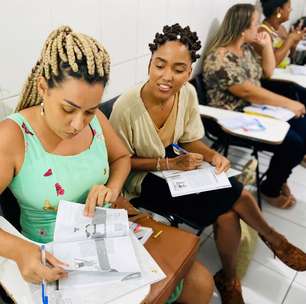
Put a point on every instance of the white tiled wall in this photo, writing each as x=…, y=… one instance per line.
x=125, y=27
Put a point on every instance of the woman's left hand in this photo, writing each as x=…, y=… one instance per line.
x=221, y=163
x=98, y=195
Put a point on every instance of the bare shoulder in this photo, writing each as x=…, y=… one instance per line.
x=101, y=117
x=104, y=122
x=11, y=137
x=262, y=29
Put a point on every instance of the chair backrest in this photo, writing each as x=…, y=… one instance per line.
x=199, y=85
x=10, y=208
x=107, y=106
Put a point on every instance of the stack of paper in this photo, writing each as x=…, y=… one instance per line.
x=269, y=111
x=104, y=292
x=100, y=283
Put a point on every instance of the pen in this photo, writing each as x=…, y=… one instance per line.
x=179, y=150
x=43, y=284
x=260, y=124
x=265, y=107
x=157, y=234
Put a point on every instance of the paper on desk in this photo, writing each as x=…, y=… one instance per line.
x=142, y=233
x=245, y=123
x=27, y=293
x=270, y=111
x=101, y=292
x=115, y=256
x=297, y=69
x=98, y=244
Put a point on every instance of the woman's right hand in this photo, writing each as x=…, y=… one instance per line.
x=296, y=36
x=31, y=268
x=296, y=107
x=186, y=162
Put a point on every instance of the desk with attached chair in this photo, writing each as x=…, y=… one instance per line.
x=222, y=137
x=287, y=75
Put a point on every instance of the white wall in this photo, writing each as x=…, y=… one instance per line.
x=125, y=27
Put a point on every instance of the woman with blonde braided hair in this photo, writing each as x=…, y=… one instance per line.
x=59, y=146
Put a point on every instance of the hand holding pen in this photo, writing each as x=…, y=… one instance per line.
x=29, y=260
x=186, y=160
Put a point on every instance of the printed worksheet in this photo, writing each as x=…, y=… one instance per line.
x=199, y=180
x=94, y=244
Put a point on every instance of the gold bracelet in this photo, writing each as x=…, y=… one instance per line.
x=158, y=165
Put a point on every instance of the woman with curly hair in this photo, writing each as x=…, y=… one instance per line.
x=163, y=111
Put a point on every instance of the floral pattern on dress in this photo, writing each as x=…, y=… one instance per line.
x=49, y=207
x=26, y=130
x=48, y=172
x=59, y=189
x=223, y=69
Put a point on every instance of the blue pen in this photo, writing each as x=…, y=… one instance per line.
x=260, y=124
x=43, y=284
x=178, y=150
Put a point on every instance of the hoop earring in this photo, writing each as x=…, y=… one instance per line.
x=42, y=109
x=278, y=15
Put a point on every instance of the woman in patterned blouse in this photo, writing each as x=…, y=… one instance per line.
x=232, y=71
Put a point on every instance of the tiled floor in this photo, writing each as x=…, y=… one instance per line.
x=269, y=281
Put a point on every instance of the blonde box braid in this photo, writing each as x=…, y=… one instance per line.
x=66, y=53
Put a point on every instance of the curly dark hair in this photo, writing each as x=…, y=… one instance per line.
x=269, y=7
x=176, y=32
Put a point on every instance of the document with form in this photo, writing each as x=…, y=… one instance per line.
x=101, y=284
x=101, y=243
x=195, y=181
